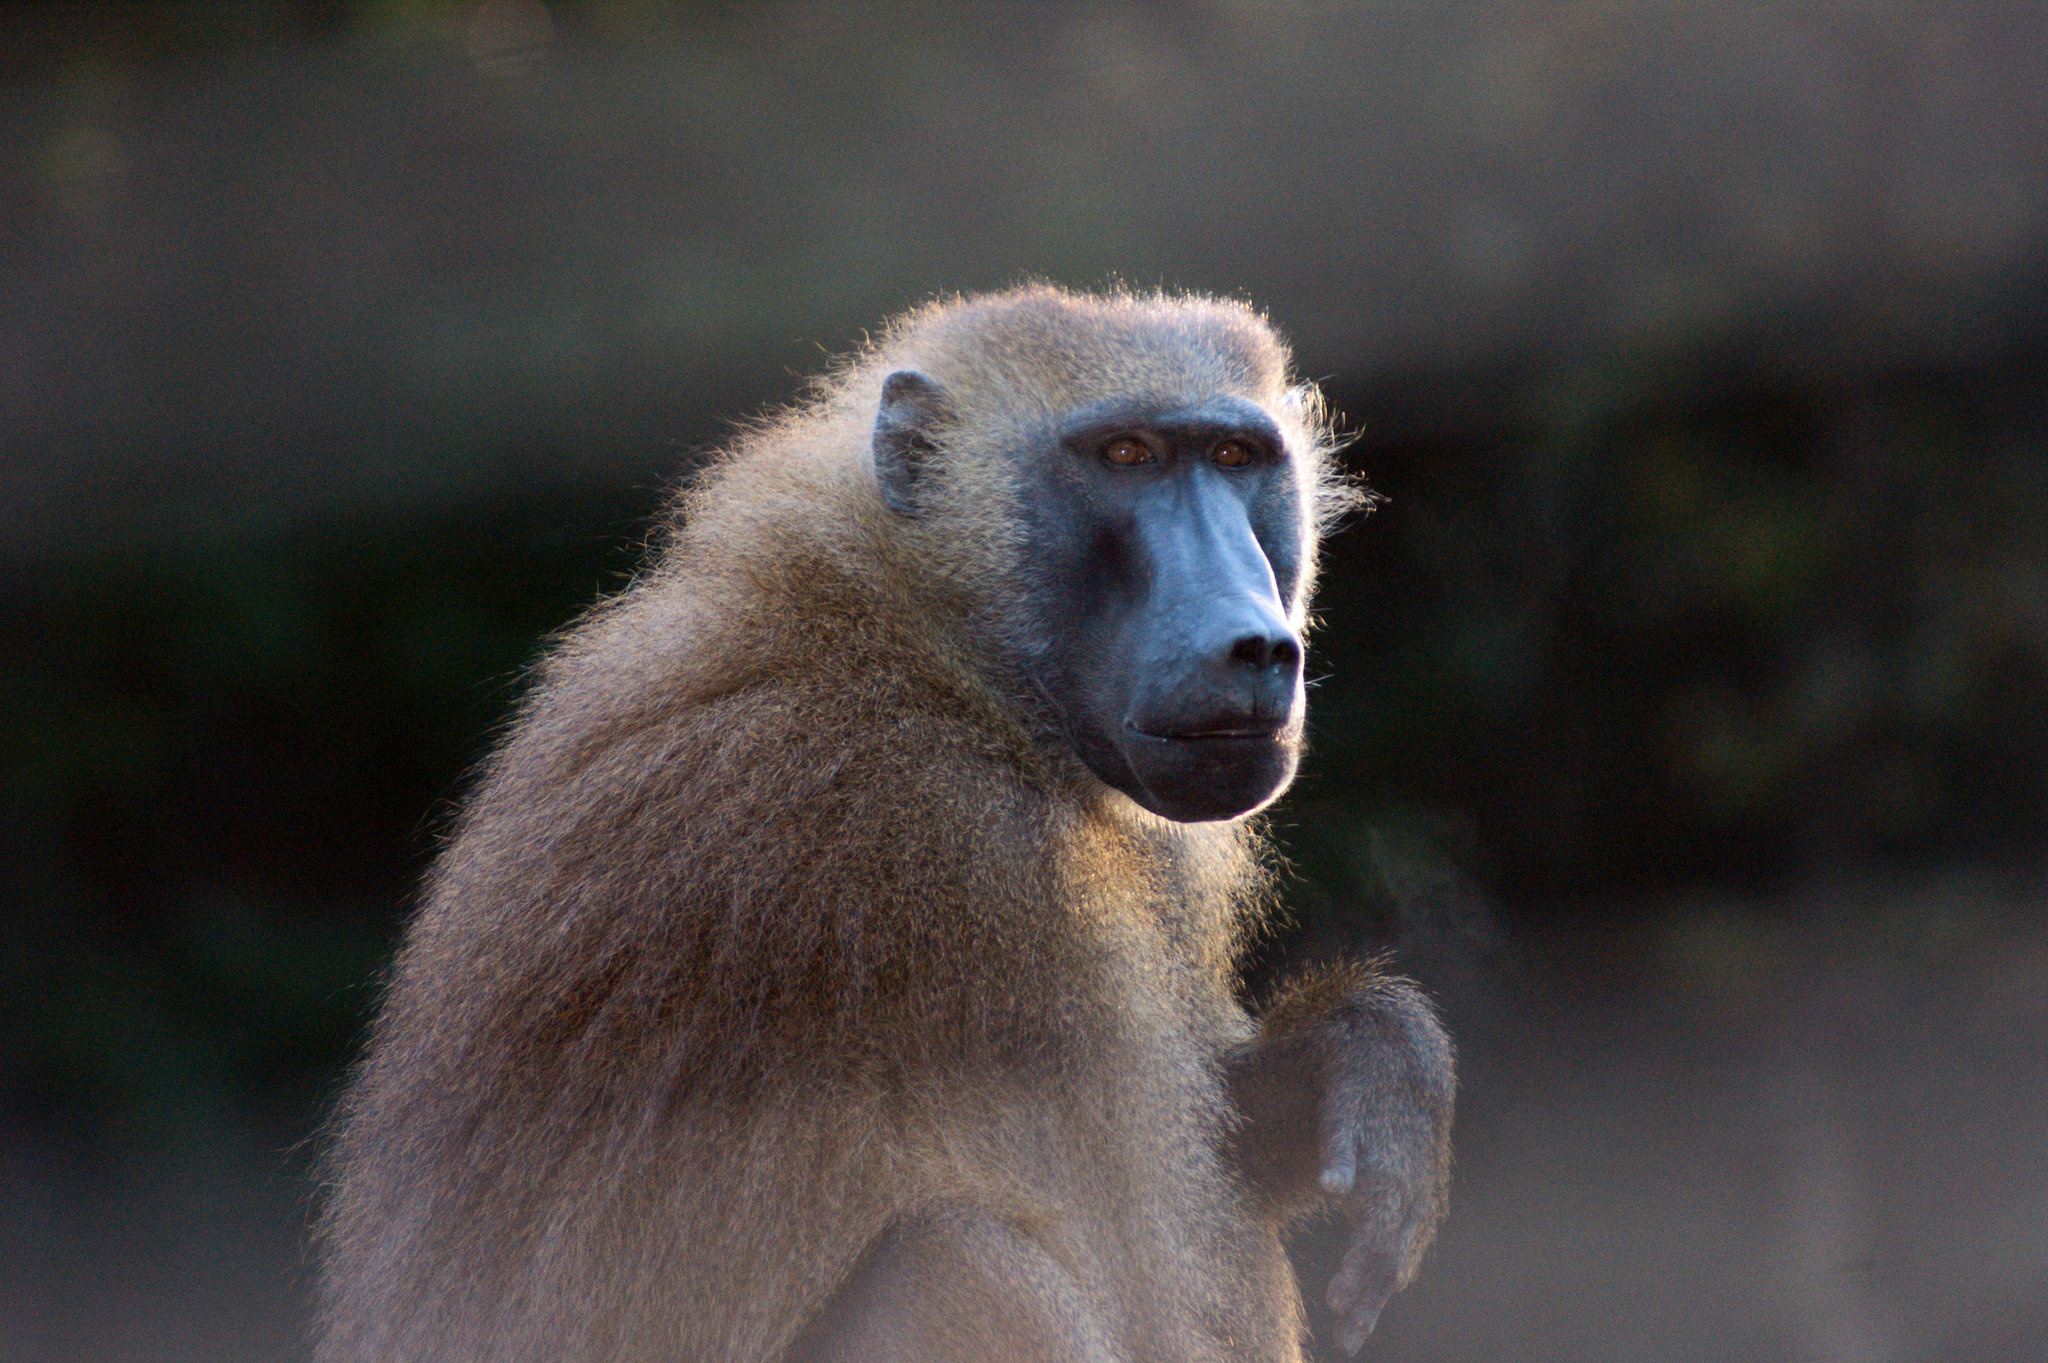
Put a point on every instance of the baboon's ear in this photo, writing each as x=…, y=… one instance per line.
x=905, y=425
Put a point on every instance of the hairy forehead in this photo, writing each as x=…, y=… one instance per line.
x=1067, y=348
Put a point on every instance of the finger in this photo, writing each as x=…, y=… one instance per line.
x=1343, y=1103
x=1340, y=1172
x=1377, y=1211
x=1353, y=1275
x=1353, y=1329
x=1360, y=1290
x=1378, y=1249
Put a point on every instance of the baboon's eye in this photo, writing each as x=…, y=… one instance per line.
x=1232, y=454
x=1126, y=451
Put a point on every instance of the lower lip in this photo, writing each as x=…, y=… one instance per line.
x=1212, y=735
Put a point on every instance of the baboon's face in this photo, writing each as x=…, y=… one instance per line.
x=1166, y=540
x=1163, y=553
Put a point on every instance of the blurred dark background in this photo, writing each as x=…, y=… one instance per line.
x=1681, y=716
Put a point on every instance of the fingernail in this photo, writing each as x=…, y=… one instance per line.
x=1335, y=1180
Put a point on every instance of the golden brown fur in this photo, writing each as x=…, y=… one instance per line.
x=783, y=919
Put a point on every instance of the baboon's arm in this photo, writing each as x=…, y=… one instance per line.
x=1345, y=1097
x=956, y=1285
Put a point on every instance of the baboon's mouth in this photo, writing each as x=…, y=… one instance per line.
x=1230, y=729
x=1202, y=769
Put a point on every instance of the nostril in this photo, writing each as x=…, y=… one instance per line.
x=1261, y=650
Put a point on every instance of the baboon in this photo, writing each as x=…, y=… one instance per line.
x=837, y=959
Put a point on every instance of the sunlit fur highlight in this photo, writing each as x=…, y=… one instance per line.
x=784, y=912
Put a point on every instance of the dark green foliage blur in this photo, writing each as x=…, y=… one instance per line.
x=225, y=766
x=1707, y=620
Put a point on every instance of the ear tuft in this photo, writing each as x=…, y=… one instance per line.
x=906, y=425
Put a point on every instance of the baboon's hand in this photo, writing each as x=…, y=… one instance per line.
x=1385, y=1121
